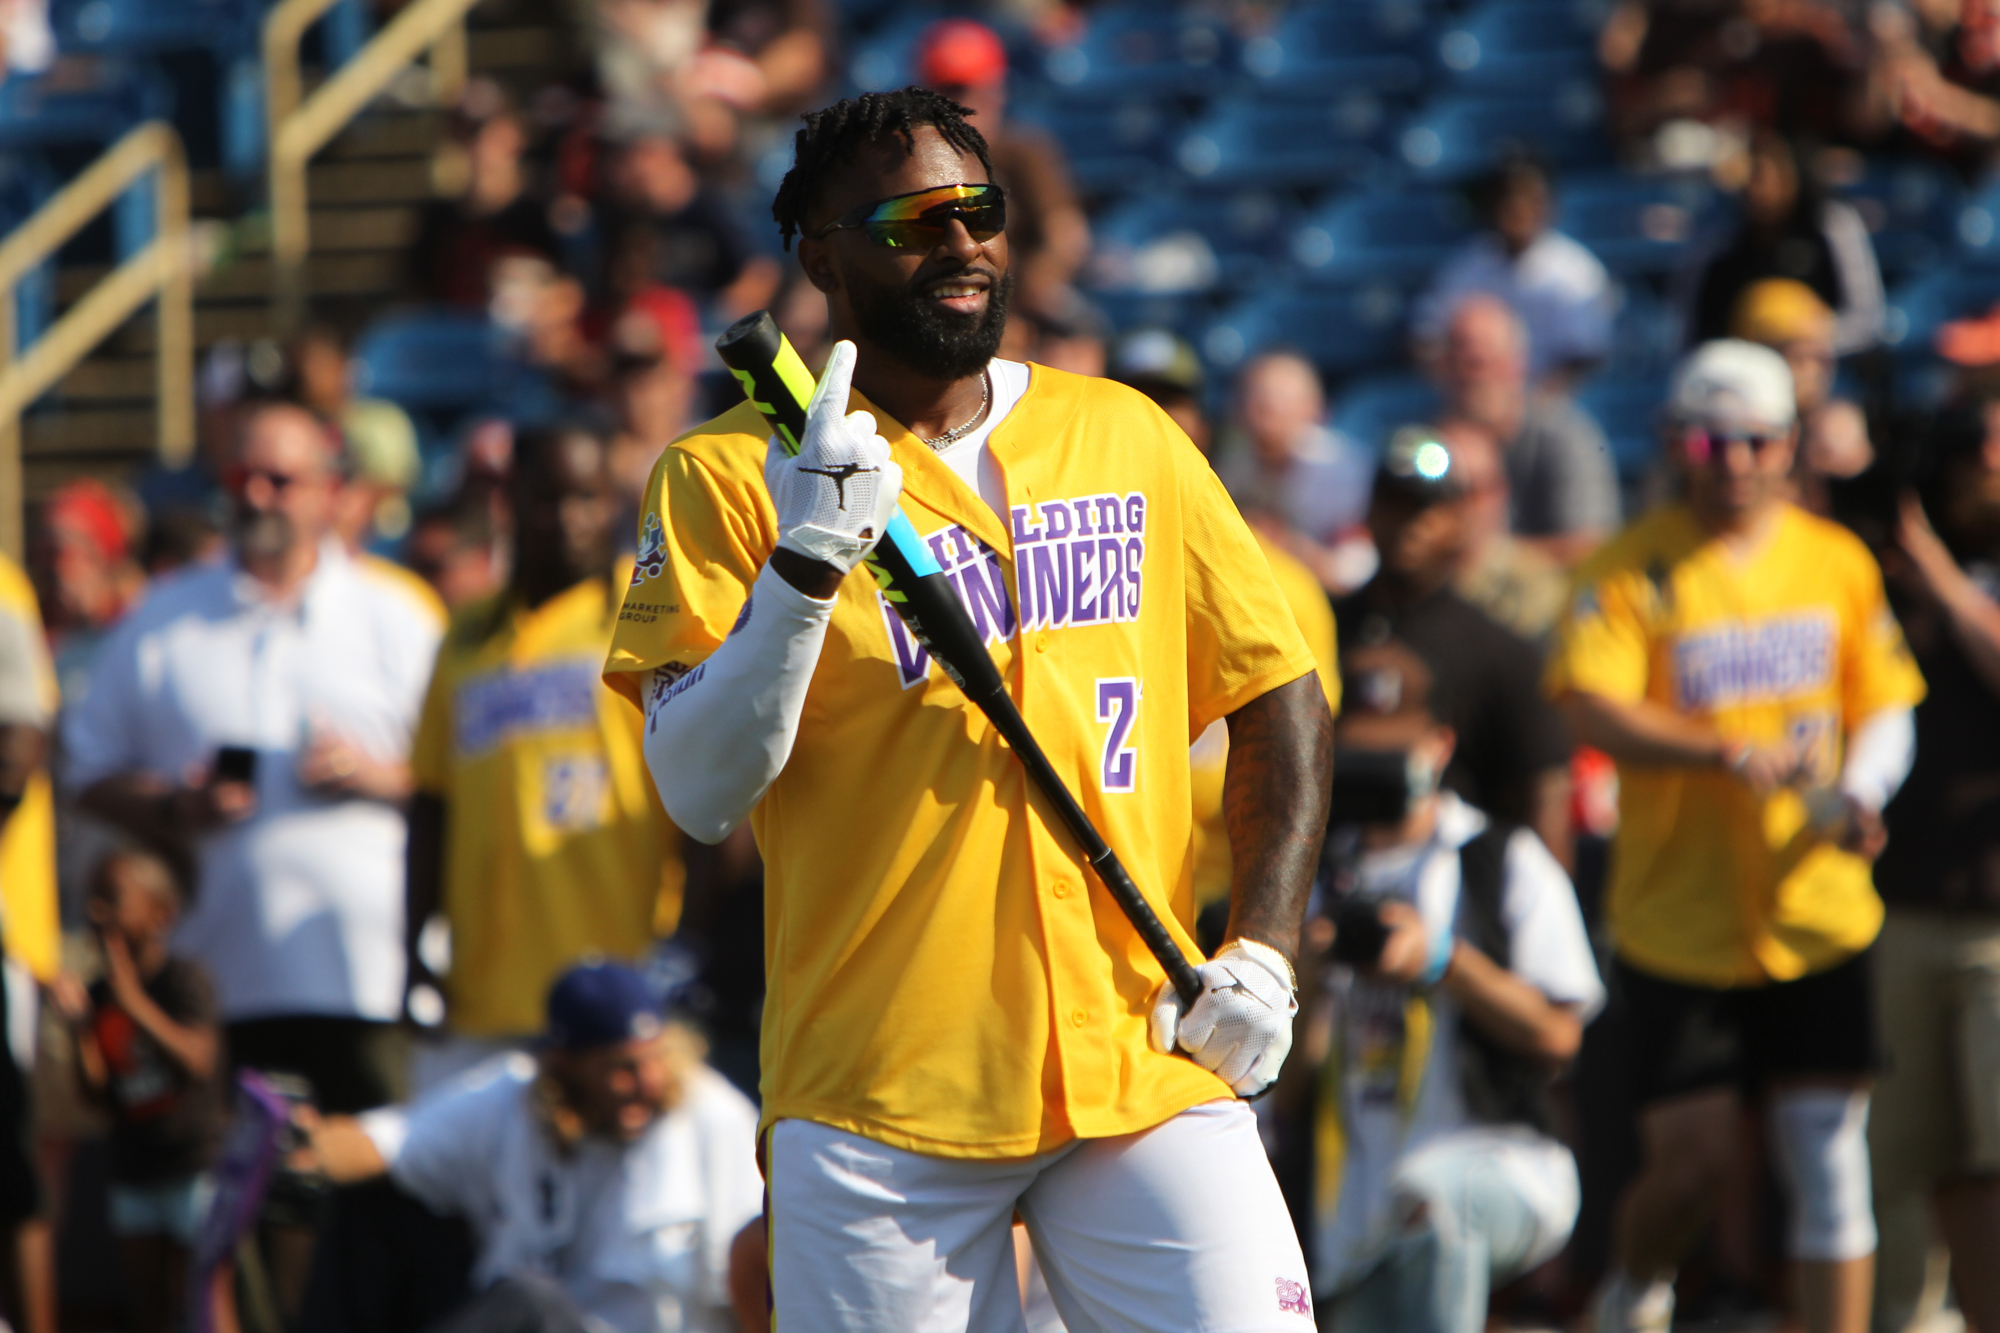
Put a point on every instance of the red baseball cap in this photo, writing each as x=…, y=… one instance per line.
x=959, y=53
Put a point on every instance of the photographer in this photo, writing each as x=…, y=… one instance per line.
x=1460, y=981
x=604, y=1180
x=1935, y=1133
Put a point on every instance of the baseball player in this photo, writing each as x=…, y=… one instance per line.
x=961, y=1025
x=1737, y=658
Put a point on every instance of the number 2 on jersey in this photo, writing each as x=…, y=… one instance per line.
x=1118, y=704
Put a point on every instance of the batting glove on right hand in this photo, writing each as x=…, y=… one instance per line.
x=835, y=498
x=1241, y=1025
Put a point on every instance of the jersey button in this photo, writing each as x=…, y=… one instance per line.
x=1078, y=1017
x=1041, y=643
x=1062, y=889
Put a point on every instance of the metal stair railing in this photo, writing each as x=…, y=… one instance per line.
x=162, y=270
x=300, y=127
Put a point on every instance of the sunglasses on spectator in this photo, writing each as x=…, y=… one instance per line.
x=1704, y=445
x=918, y=220
x=239, y=478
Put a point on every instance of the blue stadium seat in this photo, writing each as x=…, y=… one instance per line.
x=1302, y=144
x=1370, y=409
x=145, y=27
x=1112, y=145
x=1147, y=50
x=1918, y=308
x=1628, y=411
x=429, y=359
x=1180, y=312
x=1520, y=46
x=25, y=185
x=1457, y=138
x=1645, y=337
x=1345, y=331
x=1639, y=227
x=1145, y=245
x=1914, y=211
x=1373, y=46
x=1979, y=229
x=1369, y=235
x=36, y=112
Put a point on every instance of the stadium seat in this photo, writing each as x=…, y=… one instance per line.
x=1381, y=47
x=1297, y=143
x=1345, y=331
x=1146, y=50
x=1638, y=226
x=1628, y=411
x=25, y=184
x=445, y=363
x=1914, y=211
x=1645, y=336
x=1370, y=409
x=1155, y=242
x=1519, y=47
x=1457, y=138
x=142, y=27
x=1121, y=144
x=1978, y=230
x=1921, y=306
x=38, y=112
x=1368, y=235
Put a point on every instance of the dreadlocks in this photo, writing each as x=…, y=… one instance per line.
x=831, y=136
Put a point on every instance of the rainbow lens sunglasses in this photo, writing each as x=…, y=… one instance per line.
x=1705, y=446
x=917, y=221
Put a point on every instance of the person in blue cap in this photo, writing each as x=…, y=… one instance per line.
x=604, y=1177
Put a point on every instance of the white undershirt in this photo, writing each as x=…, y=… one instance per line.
x=969, y=456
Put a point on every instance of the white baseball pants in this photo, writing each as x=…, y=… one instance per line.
x=1177, y=1229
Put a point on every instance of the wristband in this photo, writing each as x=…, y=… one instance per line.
x=1440, y=961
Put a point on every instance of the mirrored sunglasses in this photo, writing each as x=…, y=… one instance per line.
x=917, y=221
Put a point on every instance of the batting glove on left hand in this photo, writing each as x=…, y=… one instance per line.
x=1241, y=1025
x=835, y=498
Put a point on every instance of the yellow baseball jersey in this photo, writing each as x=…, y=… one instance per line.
x=1712, y=885
x=556, y=845
x=1209, y=757
x=28, y=913
x=944, y=974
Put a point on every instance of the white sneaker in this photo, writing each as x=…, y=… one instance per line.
x=1624, y=1307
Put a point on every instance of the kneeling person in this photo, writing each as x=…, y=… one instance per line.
x=604, y=1181
x=1460, y=983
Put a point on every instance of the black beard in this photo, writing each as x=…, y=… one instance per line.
x=262, y=535
x=938, y=344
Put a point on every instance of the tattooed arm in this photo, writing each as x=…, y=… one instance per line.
x=1274, y=801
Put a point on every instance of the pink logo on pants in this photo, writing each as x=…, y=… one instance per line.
x=1292, y=1297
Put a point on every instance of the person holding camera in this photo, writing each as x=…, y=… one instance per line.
x=1935, y=1131
x=1736, y=657
x=1459, y=981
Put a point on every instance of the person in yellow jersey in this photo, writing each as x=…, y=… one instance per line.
x=1167, y=370
x=535, y=831
x=1736, y=657
x=28, y=925
x=960, y=1023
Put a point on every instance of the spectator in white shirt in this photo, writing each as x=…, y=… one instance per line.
x=255, y=717
x=1460, y=981
x=1300, y=483
x=605, y=1181
x=1559, y=289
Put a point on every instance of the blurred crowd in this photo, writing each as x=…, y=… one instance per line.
x=306, y=768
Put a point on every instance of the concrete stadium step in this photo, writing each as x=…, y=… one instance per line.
x=387, y=134
x=108, y=378
x=96, y=430
x=40, y=476
x=495, y=49
x=341, y=273
x=389, y=181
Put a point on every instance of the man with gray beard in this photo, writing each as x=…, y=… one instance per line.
x=254, y=717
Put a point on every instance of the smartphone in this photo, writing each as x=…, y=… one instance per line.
x=235, y=763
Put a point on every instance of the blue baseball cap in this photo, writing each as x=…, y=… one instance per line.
x=598, y=1003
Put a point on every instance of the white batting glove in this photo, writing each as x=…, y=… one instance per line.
x=1241, y=1025
x=835, y=498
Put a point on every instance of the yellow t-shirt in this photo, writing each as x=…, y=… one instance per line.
x=1711, y=885
x=944, y=974
x=408, y=582
x=556, y=845
x=1209, y=757
x=28, y=912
